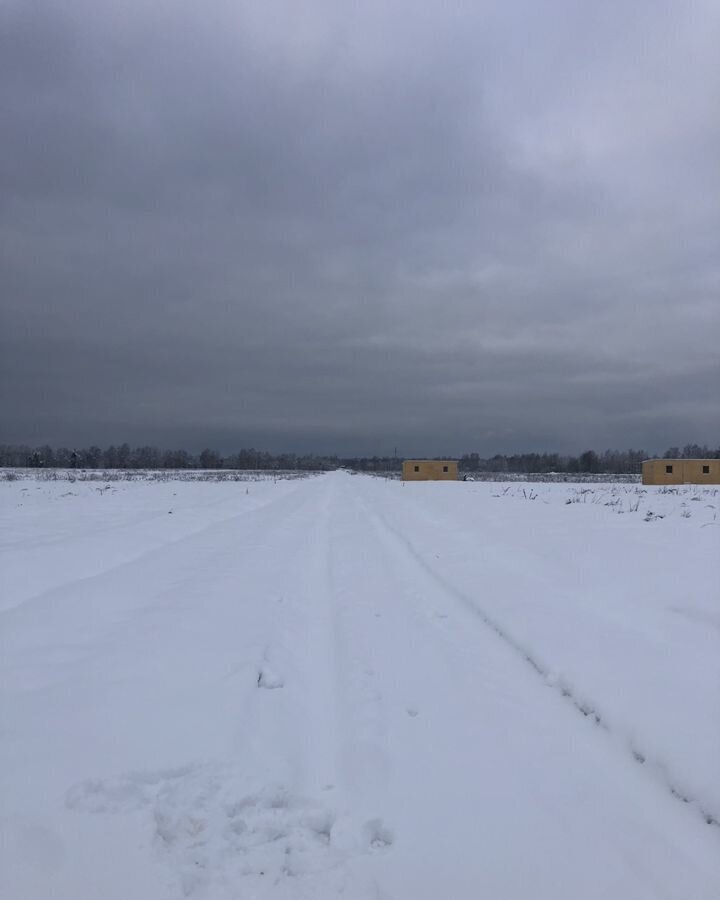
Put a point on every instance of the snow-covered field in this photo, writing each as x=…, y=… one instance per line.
x=344, y=686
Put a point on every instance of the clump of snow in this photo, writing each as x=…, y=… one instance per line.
x=269, y=678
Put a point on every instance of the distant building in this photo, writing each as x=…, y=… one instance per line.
x=430, y=470
x=681, y=471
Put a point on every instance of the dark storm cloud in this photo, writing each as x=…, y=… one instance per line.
x=330, y=226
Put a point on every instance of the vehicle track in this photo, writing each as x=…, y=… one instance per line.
x=209, y=532
x=641, y=755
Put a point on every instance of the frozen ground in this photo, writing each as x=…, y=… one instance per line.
x=345, y=687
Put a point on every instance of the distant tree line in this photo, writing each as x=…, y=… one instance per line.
x=126, y=457
x=620, y=462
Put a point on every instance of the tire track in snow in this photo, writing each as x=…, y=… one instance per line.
x=255, y=821
x=319, y=664
x=218, y=527
x=587, y=710
x=294, y=664
x=362, y=728
x=310, y=653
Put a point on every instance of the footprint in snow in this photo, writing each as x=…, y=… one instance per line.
x=378, y=835
x=222, y=839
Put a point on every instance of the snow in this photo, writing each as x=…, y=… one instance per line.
x=347, y=686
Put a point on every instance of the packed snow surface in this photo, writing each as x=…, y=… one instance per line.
x=343, y=686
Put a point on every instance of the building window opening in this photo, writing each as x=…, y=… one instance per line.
x=417, y=468
x=706, y=470
x=445, y=468
x=668, y=470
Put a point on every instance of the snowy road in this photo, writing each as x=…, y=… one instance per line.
x=343, y=686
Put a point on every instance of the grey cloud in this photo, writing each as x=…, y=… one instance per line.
x=354, y=228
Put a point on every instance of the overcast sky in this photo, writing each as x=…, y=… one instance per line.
x=436, y=226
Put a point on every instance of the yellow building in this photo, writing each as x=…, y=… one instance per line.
x=681, y=471
x=430, y=470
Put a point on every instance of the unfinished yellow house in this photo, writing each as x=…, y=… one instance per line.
x=430, y=470
x=681, y=471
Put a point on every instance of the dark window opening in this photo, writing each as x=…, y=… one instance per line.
x=668, y=470
x=417, y=468
x=445, y=468
x=706, y=470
